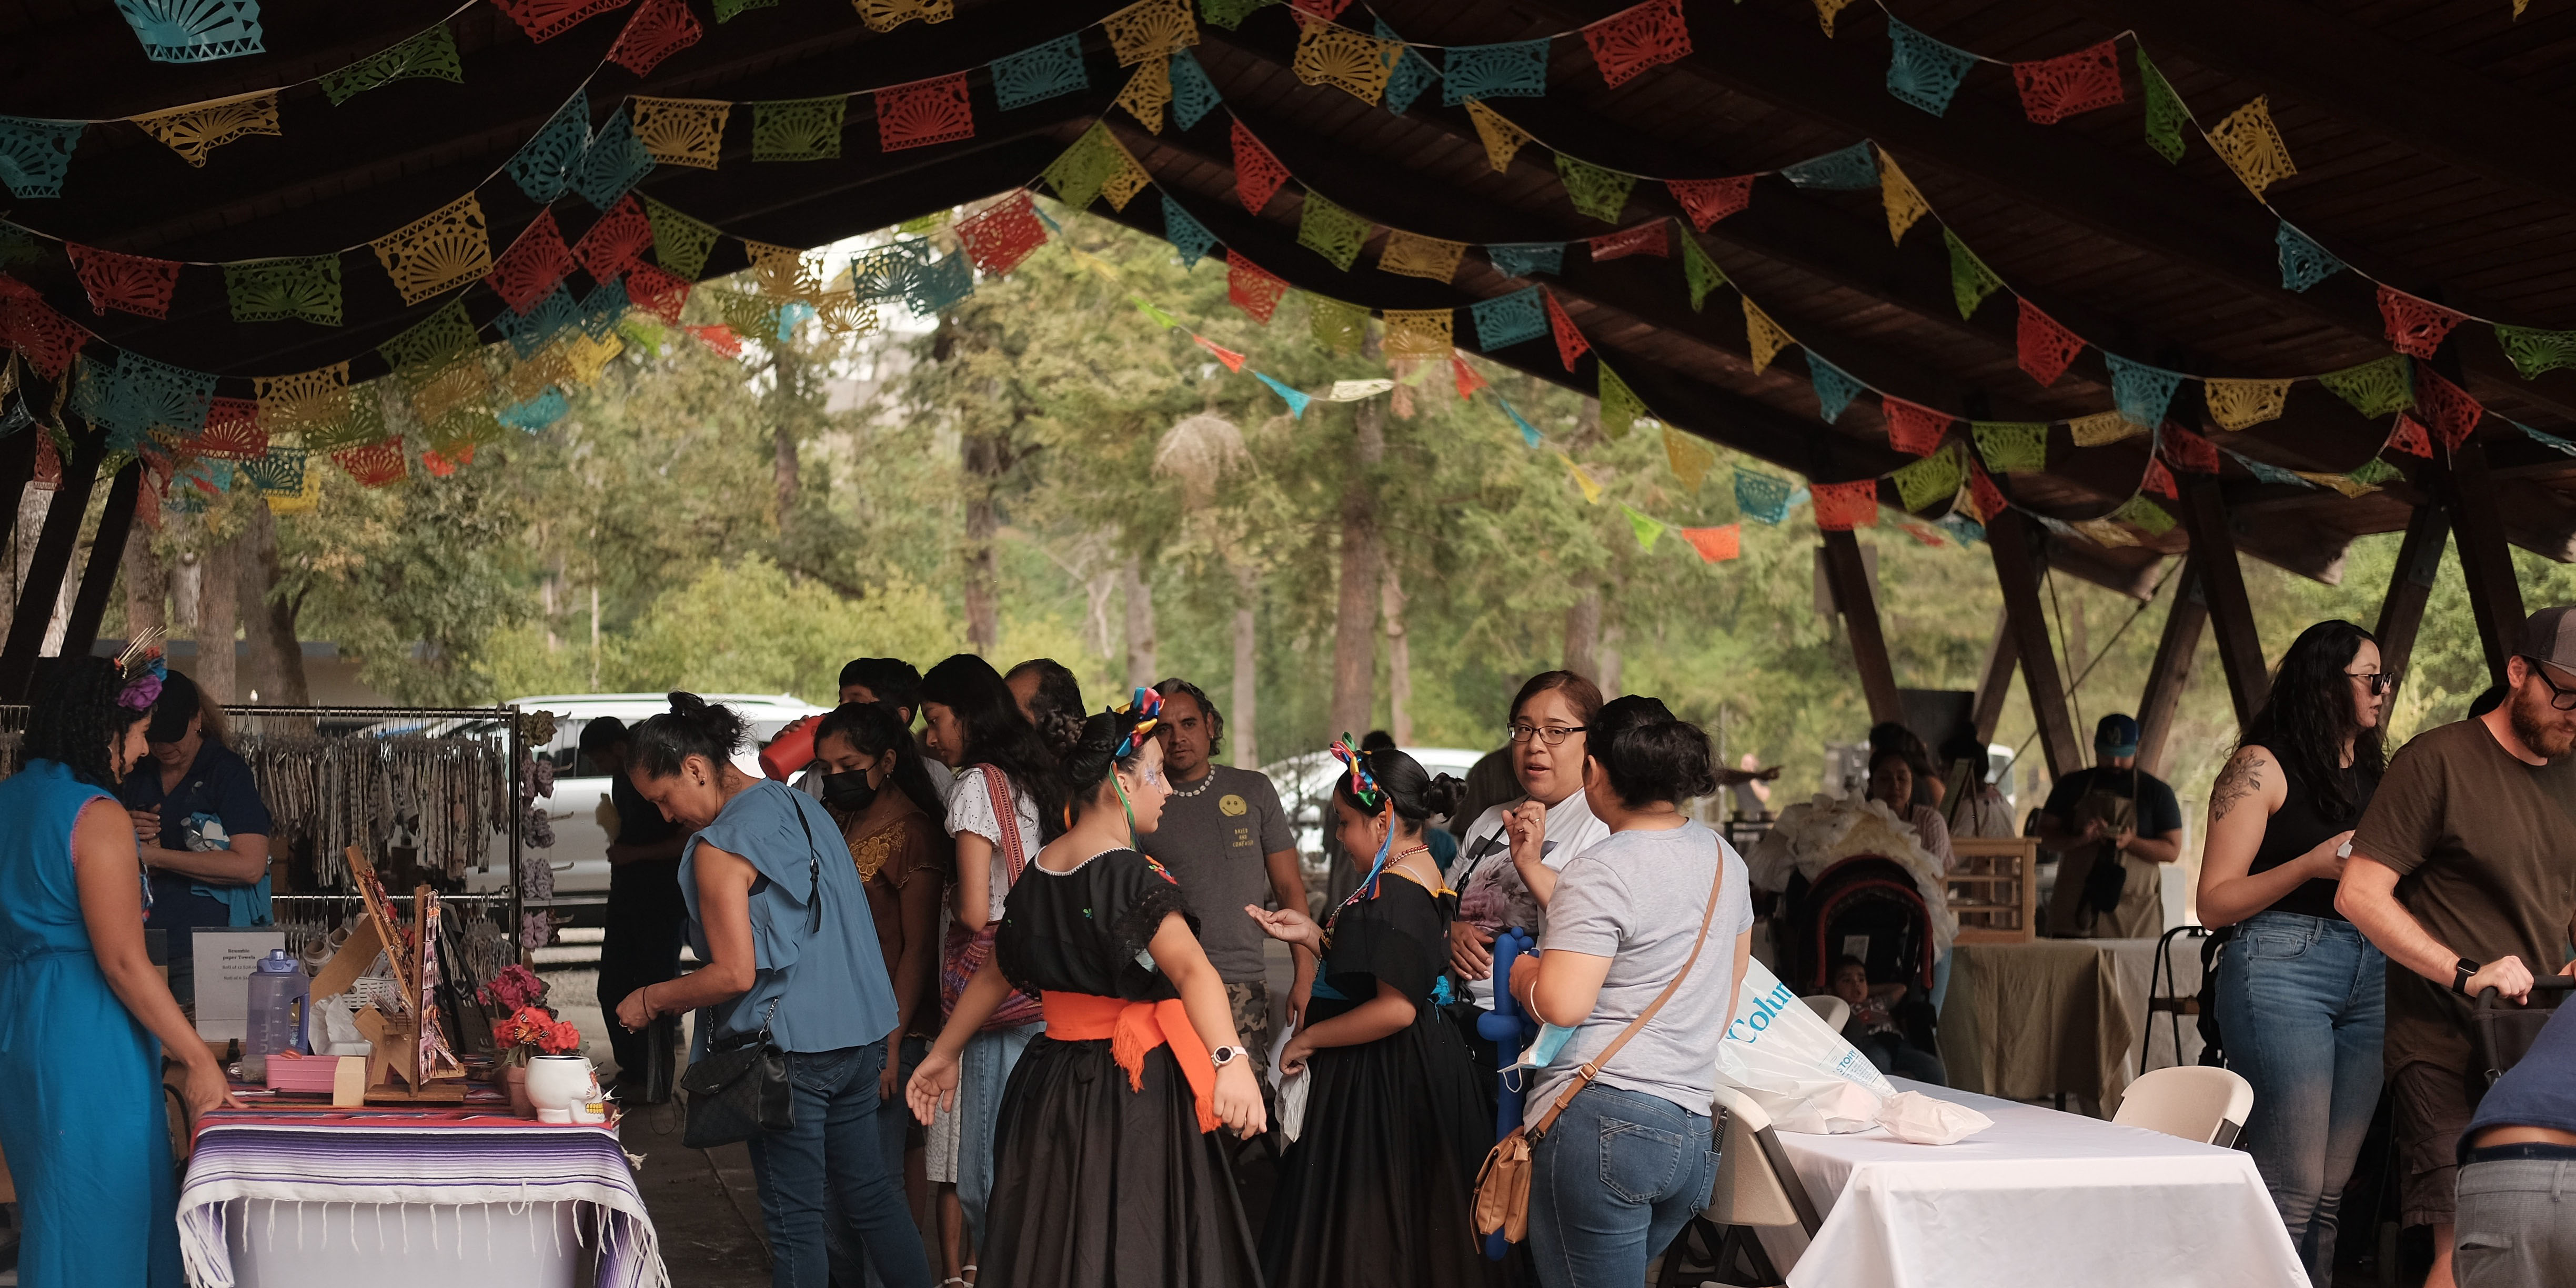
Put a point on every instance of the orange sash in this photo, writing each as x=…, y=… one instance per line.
x=1132, y=1029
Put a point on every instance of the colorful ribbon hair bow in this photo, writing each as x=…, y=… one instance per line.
x=144, y=669
x=1363, y=783
x=1147, y=706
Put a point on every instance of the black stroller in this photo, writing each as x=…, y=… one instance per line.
x=1864, y=906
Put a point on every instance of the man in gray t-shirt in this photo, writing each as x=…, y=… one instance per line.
x=1226, y=840
x=1637, y=899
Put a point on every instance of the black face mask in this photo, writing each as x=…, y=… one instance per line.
x=851, y=792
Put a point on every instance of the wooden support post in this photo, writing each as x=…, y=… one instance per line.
x=2495, y=600
x=1848, y=575
x=2170, y=674
x=1994, y=680
x=2222, y=590
x=47, y=565
x=106, y=555
x=2419, y=561
x=2017, y=568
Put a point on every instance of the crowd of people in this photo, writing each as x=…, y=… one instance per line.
x=1019, y=960
x=1016, y=958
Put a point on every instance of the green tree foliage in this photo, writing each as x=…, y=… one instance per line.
x=660, y=492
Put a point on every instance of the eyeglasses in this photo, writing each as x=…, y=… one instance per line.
x=2562, y=699
x=1552, y=735
x=2380, y=682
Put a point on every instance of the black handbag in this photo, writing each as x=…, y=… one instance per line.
x=739, y=1090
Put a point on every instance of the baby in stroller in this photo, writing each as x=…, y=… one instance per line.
x=1890, y=1027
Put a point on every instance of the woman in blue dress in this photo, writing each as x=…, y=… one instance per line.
x=83, y=1015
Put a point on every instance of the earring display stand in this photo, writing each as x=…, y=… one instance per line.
x=410, y=1062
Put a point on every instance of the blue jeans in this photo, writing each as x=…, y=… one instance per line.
x=833, y=1148
x=1611, y=1184
x=2300, y=1006
x=982, y=1072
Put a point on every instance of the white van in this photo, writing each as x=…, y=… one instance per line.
x=579, y=855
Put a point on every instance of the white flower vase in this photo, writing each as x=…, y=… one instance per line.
x=557, y=1084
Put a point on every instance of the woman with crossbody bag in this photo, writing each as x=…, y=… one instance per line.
x=1648, y=932
x=794, y=1003
x=1007, y=801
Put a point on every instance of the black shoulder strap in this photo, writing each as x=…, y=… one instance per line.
x=814, y=857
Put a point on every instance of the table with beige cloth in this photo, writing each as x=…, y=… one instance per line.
x=2033, y=1020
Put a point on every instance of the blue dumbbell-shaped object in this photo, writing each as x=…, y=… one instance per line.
x=1509, y=1031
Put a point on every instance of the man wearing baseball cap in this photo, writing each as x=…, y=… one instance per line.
x=2463, y=872
x=2114, y=826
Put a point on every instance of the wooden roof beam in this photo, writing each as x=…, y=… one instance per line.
x=2126, y=199
x=2447, y=112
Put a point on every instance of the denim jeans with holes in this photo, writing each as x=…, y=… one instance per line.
x=1611, y=1183
x=2300, y=1006
x=834, y=1145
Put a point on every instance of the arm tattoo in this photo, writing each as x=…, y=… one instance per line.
x=2242, y=777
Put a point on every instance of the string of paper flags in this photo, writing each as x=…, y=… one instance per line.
x=1926, y=72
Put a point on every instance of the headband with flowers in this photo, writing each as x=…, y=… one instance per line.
x=1363, y=783
x=1147, y=707
x=143, y=669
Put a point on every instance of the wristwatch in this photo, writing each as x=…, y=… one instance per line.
x=2460, y=976
x=1226, y=1055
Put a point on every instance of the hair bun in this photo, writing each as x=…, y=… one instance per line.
x=1442, y=794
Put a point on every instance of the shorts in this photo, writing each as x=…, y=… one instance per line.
x=1251, y=1006
x=2433, y=1106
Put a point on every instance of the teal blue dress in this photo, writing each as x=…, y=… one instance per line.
x=81, y=1114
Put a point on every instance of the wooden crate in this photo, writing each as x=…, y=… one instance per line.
x=1995, y=888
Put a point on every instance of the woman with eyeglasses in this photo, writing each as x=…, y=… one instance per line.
x=2299, y=987
x=1500, y=888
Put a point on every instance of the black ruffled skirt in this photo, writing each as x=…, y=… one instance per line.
x=1379, y=1188
x=1098, y=1186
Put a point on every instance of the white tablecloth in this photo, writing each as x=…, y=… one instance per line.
x=2040, y=1198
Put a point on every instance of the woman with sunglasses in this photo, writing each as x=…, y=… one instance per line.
x=2299, y=987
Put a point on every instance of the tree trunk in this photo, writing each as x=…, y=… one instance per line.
x=1583, y=634
x=1140, y=624
x=1399, y=659
x=786, y=398
x=276, y=655
x=1244, y=715
x=218, y=613
x=1607, y=658
x=985, y=456
x=1355, y=614
x=147, y=586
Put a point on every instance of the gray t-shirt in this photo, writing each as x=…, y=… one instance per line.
x=1636, y=898
x=1215, y=841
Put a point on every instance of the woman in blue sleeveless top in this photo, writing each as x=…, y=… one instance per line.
x=779, y=915
x=83, y=1016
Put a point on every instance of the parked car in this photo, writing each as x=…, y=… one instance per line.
x=579, y=855
x=1305, y=786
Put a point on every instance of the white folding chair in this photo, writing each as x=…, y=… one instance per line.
x=1756, y=1186
x=2195, y=1102
x=1834, y=1011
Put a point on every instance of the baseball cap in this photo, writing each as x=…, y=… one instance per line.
x=2116, y=736
x=2550, y=636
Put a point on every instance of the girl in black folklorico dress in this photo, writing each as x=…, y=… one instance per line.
x=1107, y=1172
x=1377, y=1188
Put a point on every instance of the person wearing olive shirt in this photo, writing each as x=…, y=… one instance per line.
x=201, y=825
x=1227, y=841
x=2478, y=822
